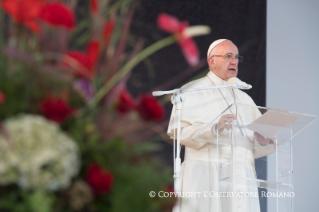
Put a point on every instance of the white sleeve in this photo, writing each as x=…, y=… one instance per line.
x=188, y=135
x=214, y=130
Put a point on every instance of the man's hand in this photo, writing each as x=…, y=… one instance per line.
x=225, y=122
x=263, y=141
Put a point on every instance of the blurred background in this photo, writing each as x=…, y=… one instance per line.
x=79, y=129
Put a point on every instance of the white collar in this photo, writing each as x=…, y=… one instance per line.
x=216, y=79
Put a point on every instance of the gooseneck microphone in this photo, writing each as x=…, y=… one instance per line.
x=238, y=83
x=232, y=82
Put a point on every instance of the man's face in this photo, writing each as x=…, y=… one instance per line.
x=221, y=66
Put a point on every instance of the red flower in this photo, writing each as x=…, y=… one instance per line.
x=94, y=4
x=85, y=68
x=150, y=109
x=57, y=14
x=2, y=98
x=107, y=31
x=24, y=12
x=173, y=25
x=170, y=23
x=93, y=50
x=126, y=103
x=189, y=50
x=100, y=180
x=55, y=109
x=86, y=59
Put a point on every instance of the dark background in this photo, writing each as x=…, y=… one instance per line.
x=242, y=21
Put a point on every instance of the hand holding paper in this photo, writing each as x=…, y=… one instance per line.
x=263, y=141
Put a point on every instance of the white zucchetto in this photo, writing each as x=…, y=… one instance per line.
x=214, y=44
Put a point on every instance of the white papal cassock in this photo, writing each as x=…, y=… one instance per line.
x=198, y=171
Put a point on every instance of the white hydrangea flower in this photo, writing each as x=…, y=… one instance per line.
x=8, y=161
x=44, y=156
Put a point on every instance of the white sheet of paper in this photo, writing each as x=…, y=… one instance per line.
x=272, y=122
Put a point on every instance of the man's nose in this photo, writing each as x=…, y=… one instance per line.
x=233, y=61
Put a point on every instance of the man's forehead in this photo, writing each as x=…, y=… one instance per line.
x=226, y=47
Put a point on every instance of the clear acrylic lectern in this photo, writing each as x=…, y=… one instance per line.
x=254, y=157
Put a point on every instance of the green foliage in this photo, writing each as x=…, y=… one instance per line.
x=40, y=201
x=34, y=201
x=131, y=190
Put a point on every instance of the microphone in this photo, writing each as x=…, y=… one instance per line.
x=158, y=93
x=238, y=83
x=232, y=82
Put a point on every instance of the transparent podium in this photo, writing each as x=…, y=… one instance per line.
x=254, y=160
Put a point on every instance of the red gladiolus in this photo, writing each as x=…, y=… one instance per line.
x=107, y=31
x=189, y=50
x=55, y=109
x=94, y=4
x=87, y=60
x=170, y=23
x=85, y=68
x=150, y=109
x=2, y=98
x=126, y=103
x=57, y=14
x=100, y=180
x=24, y=12
x=173, y=25
x=93, y=50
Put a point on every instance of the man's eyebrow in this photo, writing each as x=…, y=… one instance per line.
x=231, y=53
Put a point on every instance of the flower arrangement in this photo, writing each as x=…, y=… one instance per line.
x=72, y=137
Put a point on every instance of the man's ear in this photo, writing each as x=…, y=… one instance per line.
x=210, y=60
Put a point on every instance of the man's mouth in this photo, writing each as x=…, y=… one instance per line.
x=232, y=69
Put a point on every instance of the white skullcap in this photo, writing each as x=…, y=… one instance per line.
x=214, y=44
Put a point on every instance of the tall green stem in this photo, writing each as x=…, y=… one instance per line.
x=129, y=66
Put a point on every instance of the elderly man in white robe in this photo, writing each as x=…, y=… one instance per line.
x=198, y=171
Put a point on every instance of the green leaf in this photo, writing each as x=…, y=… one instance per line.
x=39, y=201
x=145, y=147
x=116, y=6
